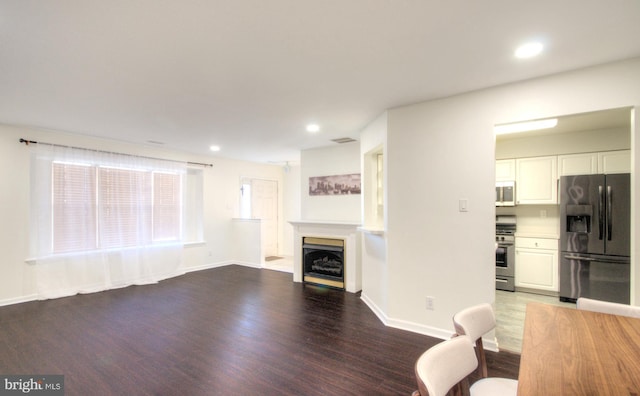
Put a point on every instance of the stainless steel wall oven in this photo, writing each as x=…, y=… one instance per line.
x=505, y=252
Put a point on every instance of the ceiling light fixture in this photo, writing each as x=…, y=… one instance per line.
x=529, y=50
x=313, y=128
x=214, y=148
x=525, y=126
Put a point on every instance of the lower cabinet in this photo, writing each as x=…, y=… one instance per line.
x=537, y=263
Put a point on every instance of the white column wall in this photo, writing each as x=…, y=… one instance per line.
x=374, y=244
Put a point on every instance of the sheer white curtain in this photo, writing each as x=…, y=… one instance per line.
x=102, y=220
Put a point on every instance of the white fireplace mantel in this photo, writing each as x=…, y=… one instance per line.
x=325, y=229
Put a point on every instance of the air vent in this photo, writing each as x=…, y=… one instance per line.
x=343, y=140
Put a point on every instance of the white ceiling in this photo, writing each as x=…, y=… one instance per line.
x=248, y=75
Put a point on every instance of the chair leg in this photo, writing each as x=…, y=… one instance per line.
x=460, y=389
x=482, y=361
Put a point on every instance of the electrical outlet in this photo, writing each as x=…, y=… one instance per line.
x=431, y=303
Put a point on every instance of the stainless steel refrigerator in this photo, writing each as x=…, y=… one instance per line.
x=594, y=237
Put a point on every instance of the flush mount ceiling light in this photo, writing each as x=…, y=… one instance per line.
x=313, y=128
x=529, y=50
x=525, y=126
x=214, y=148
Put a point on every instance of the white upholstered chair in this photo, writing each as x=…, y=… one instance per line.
x=588, y=304
x=446, y=366
x=474, y=322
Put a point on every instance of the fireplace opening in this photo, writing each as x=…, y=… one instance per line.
x=323, y=261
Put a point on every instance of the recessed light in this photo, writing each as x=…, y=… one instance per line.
x=528, y=50
x=214, y=148
x=313, y=128
x=525, y=126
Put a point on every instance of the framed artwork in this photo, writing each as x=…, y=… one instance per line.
x=335, y=185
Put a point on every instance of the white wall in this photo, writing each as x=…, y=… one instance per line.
x=566, y=143
x=444, y=150
x=374, y=244
x=291, y=205
x=221, y=204
x=341, y=159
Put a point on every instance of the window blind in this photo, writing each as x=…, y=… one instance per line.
x=74, y=214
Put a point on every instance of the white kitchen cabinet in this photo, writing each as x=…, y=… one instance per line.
x=614, y=162
x=607, y=162
x=537, y=264
x=578, y=164
x=537, y=180
x=506, y=170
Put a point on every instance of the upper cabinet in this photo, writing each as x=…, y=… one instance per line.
x=593, y=163
x=506, y=170
x=536, y=180
x=614, y=162
x=577, y=164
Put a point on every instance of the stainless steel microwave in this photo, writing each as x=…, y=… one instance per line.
x=506, y=193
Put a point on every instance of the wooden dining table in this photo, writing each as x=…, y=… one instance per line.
x=567, y=351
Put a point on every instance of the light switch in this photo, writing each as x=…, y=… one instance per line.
x=463, y=205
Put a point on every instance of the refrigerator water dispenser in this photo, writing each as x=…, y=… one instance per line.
x=579, y=224
x=579, y=218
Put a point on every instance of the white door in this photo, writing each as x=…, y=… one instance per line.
x=264, y=206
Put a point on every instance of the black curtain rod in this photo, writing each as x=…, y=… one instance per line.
x=28, y=142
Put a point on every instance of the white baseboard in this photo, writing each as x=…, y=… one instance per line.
x=18, y=300
x=406, y=325
x=221, y=264
x=443, y=334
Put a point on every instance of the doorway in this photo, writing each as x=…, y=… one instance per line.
x=259, y=200
x=579, y=144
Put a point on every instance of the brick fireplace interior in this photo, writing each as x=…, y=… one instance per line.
x=323, y=261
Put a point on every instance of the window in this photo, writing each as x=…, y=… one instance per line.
x=245, y=198
x=166, y=205
x=374, y=193
x=74, y=214
x=100, y=207
x=101, y=220
x=193, y=230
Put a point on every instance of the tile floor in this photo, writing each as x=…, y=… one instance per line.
x=510, y=310
x=284, y=264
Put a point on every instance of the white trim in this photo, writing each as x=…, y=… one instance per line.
x=18, y=300
x=221, y=264
x=430, y=331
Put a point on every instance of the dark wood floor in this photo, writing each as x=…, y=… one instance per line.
x=225, y=331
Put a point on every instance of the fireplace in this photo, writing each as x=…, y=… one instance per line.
x=347, y=233
x=323, y=261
